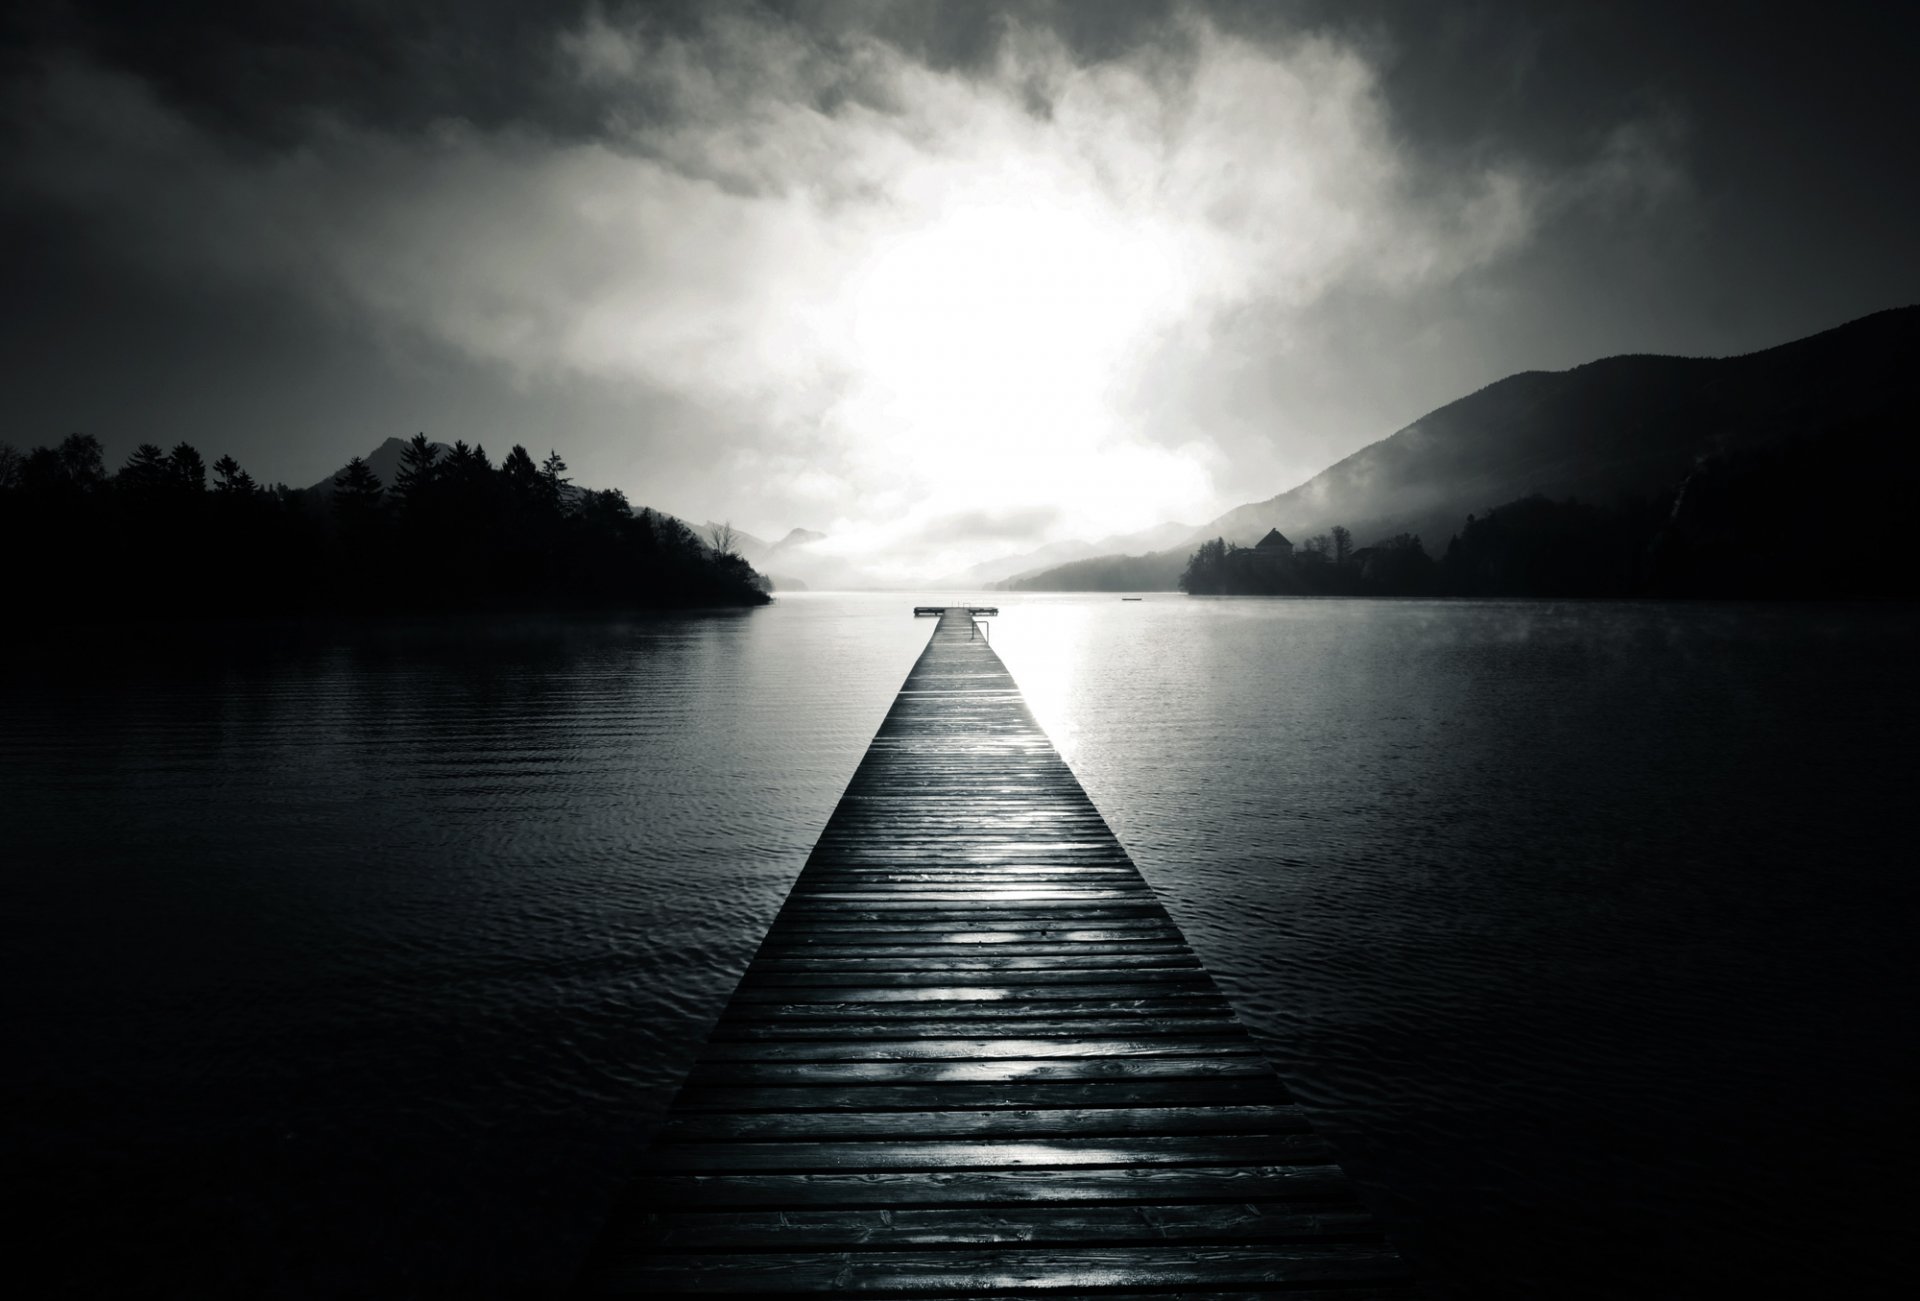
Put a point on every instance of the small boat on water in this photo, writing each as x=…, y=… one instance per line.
x=1133, y=598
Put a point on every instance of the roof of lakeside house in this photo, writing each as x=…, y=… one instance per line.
x=1275, y=538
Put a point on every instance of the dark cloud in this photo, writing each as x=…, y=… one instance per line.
x=1790, y=110
x=266, y=74
x=1538, y=77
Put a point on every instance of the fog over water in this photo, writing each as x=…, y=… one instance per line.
x=373, y=954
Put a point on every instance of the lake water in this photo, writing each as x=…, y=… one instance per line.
x=364, y=960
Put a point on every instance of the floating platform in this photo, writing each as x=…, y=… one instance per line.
x=922, y=611
x=975, y=1057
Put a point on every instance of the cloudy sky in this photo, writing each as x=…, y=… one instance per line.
x=942, y=280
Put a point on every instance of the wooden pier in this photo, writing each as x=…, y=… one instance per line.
x=975, y=1057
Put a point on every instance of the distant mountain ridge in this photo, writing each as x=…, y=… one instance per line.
x=780, y=560
x=1000, y=568
x=1623, y=427
x=383, y=460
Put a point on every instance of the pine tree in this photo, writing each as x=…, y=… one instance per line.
x=419, y=471
x=186, y=470
x=551, y=481
x=145, y=471
x=356, y=491
x=230, y=478
x=520, y=473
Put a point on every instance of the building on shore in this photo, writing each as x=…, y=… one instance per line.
x=1273, y=550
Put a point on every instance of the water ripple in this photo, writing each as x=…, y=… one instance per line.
x=376, y=954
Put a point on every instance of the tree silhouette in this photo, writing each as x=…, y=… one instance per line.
x=83, y=461
x=465, y=466
x=1535, y=546
x=508, y=542
x=230, y=478
x=723, y=538
x=522, y=476
x=419, y=470
x=551, y=481
x=356, y=491
x=41, y=475
x=186, y=470
x=1402, y=567
x=1342, y=544
x=146, y=471
x=607, y=509
x=1207, y=569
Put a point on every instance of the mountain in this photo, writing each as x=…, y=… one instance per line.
x=786, y=562
x=1155, y=571
x=755, y=550
x=758, y=549
x=1620, y=429
x=1625, y=426
x=991, y=572
x=383, y=460
x=743, y=542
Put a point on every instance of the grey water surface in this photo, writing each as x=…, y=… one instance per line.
x=1586, y=929
x=362, y=959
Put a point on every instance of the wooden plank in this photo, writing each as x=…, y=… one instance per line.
x=842, y=962
x=1148, y=1012
x=985, y=1071
x=984, y=1049
x=1011, y=876
x=797, y=936
x=815, y=1011
x=922, y=954
x=973, y=1056
x=1136, y=1152
x=1391, y=1290
x=1208, y=1021
x=758, y=977
x=901, y=1190
x=947, y=912
x=1014, y=1095
x=966, y=992
x=1050, y=1226
x=966, y=1270
x=1085, y=1122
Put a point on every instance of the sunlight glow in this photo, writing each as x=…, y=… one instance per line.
x=993, y=347
x=1005, y=318
x=1045, y=648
